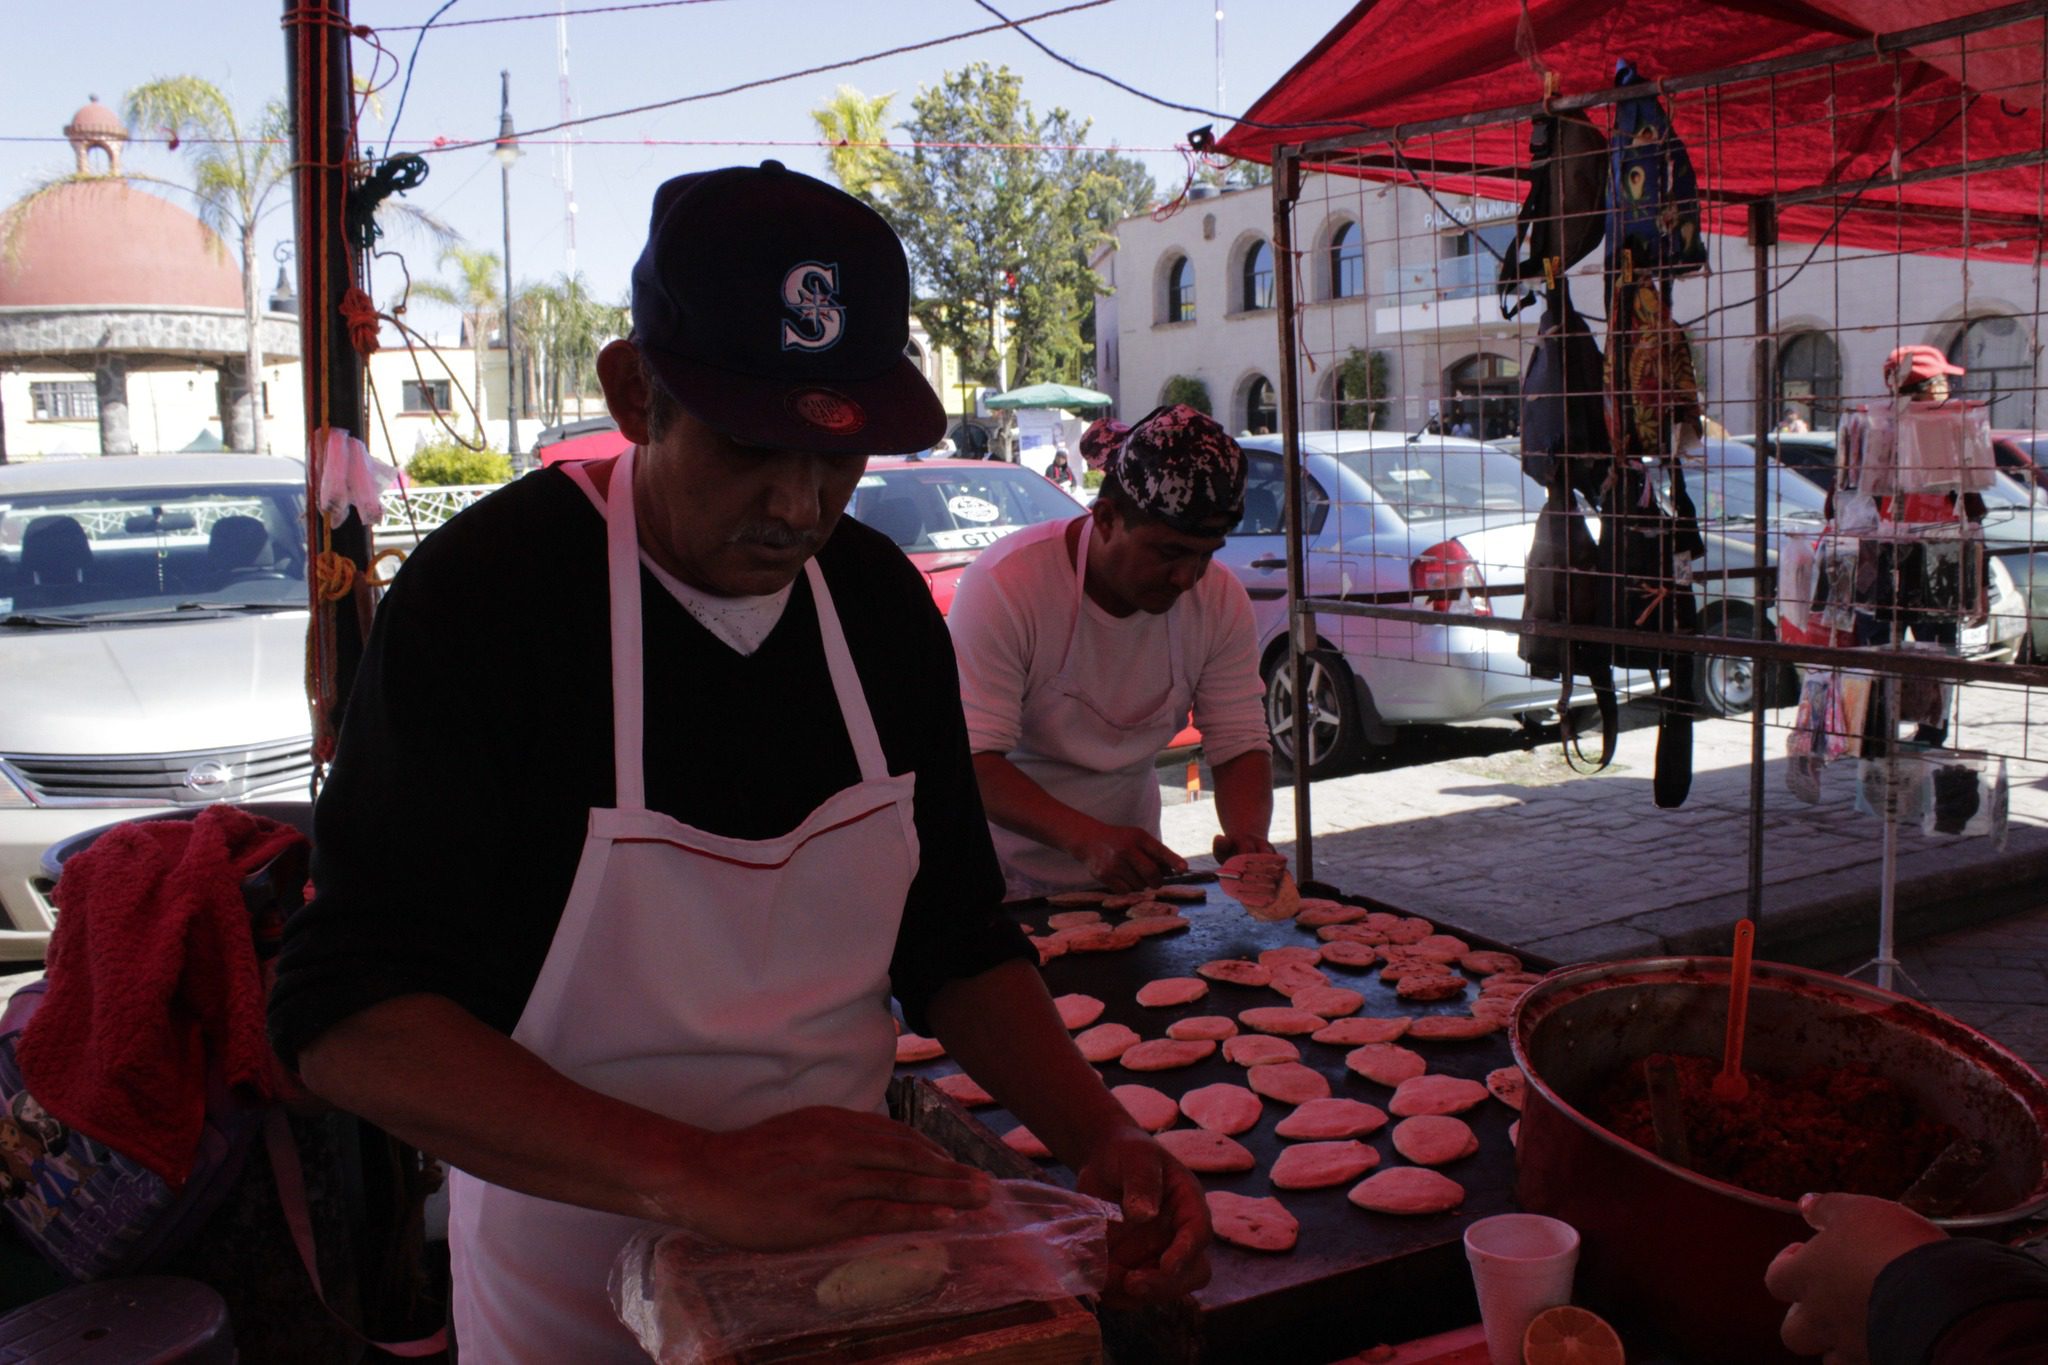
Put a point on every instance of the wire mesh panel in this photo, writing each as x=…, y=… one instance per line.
x=1720, y=390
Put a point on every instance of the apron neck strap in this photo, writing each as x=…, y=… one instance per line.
x=853, y=702
x=629, y=692
x=1175, y=665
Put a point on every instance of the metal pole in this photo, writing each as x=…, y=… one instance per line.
x=1763, y=235
x=320, y=92
x=507, y=151
x=1301, y=626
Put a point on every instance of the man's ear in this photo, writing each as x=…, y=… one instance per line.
x=625, y=389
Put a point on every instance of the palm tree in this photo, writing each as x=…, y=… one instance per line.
x=475, y=295
x=565, y=328
x=855, y=125
x=236, y=175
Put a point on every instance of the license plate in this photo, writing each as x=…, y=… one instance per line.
x=1976, y=637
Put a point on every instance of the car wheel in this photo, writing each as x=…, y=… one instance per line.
x=1334, y=728
x=1729, y=684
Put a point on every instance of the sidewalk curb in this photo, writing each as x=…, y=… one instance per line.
x=1831, y=917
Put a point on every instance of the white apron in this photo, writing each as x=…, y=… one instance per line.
x=718, y=981
x=1097, y=755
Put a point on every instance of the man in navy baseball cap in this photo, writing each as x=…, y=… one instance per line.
x=742, y=817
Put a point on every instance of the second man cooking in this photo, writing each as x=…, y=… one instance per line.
x=1083, y=647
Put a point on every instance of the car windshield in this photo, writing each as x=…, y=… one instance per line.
x=96, y=554
x=1726, y=491
x=935, y=508
x=1430, y=482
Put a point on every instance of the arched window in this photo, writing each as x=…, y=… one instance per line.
x=1180, y=290
x=915, y=354
x=1257, y=277
x=1482, y=398
x=1347, y=262
x=1995, y=351
x=1261, y=412
x=1810, y=378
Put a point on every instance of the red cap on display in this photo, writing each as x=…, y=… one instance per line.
x=1912, y=364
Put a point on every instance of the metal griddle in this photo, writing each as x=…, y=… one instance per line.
x=1355, y=1278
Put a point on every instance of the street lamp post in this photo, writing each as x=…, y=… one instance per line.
x=506, y=149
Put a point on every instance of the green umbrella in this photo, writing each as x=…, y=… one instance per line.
x=1050, y=396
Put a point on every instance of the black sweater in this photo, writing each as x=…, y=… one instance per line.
x=479, y=736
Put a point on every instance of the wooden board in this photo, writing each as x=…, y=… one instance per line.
x=1356, y=1279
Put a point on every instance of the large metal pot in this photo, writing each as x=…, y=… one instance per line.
x=1680, y=1256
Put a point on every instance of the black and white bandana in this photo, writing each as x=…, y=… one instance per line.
x=1183, y=468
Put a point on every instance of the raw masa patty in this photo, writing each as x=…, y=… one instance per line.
x=1315, y=1165
x=1333, y=1118
x=1435, y=1095
x=1205, y=1152
x=1433, y=1139
x=1289, y=1082
x=1106, y=1042
x=1166, y=1054
x=1407, y=1190
x=1222, y=1108
x=1255, y=1224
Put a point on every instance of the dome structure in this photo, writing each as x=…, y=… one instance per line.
x=97, y=275
x=104, y=243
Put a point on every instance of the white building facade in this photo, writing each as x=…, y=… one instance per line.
x=1396, y=271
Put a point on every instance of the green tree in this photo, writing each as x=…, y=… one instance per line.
x=856, y=126
x=1183, y=388
x=1359, y=389
x=237, y=174
x=473, y=293
x=1000, y=208
x=564, y=327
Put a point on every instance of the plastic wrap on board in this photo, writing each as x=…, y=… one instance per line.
x=690, y=1301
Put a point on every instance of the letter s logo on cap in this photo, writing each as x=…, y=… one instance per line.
x=811, y=291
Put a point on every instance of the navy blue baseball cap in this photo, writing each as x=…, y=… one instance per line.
x=776, y=308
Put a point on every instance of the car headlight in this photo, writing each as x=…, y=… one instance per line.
x=13, y=796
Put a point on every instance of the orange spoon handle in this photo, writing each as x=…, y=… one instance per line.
x=1738, y=998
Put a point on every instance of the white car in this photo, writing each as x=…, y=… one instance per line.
x=153, y=624
x=1401, y=521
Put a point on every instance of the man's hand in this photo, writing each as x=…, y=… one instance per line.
x=818, y=1175
x=1160, y=1251
x=1228, y=846
x=1827, y=1280
x=1126, y=858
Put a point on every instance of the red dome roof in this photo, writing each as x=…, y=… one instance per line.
x=96, y=120
x=105, y=244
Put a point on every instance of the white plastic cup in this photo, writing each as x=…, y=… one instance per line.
x=1522, y=1263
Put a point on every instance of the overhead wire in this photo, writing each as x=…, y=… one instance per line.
x=786, y=76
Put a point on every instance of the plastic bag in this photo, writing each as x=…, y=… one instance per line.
x=690, y=1301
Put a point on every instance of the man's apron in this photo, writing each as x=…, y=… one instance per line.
x=717, y=981
x=1096, y=754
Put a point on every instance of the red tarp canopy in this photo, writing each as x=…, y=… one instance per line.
x=1404, y=62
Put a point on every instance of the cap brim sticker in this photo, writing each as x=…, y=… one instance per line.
x=828, y=411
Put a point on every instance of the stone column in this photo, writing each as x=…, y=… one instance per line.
x=110, y=379
x=237, y=415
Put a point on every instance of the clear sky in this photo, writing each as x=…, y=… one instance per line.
x=59, y=53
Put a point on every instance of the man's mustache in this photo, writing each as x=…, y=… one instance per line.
x=774, y=535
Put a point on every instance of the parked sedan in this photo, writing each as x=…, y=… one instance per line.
x=1429, y=522
x=943, y=513
x=152, y=651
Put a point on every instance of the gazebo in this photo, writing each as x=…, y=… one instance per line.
x=97, y=275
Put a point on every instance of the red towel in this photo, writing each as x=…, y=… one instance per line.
x=152, y=968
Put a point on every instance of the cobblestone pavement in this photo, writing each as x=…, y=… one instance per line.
x=1505, y=840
